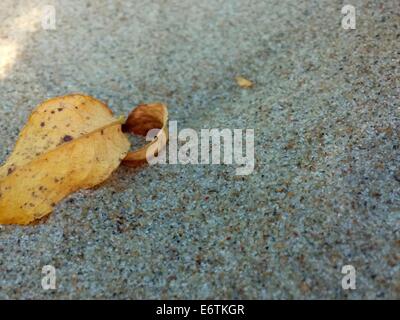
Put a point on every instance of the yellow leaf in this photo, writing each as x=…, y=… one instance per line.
x=69, y=143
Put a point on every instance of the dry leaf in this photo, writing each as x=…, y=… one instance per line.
x=243, y=82
x=69, y=143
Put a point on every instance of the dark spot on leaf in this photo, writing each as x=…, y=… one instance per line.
x=42, y=124
x=10, y=170
x=67, y=138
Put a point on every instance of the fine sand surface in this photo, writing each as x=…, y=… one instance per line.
x=325, y=191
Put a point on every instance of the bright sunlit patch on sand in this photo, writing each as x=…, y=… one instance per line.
x=8, y=54
x=16, y=30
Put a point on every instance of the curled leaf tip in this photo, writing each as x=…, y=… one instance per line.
x=140, y=121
